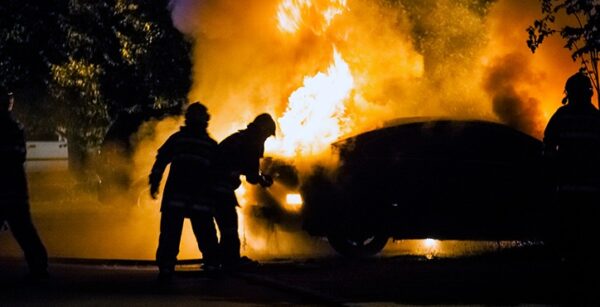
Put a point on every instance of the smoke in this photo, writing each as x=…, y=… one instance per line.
x=73, y=223
x=408, y=58
x=460, y=59
x=243, y=62
x=517, y=109
x=525, y=89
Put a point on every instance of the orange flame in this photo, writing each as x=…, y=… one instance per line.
x=314, y=116
x=290, y=13
x=375, y=74
x=315, y=113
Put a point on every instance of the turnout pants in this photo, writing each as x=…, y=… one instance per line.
x=579, y=215
x=171, y=226
x=227, y=220
x=18, y=216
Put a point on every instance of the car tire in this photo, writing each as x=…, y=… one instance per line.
x=357, y=246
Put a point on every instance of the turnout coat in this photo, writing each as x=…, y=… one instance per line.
x=191, y=152
x=13, y=181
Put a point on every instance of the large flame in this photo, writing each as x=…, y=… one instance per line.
x=290, y=13
x=406, y=58
x=315, y=113
x=390, y=59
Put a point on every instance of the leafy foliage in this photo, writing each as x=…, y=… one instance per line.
x=582, y=38
x=76, y=64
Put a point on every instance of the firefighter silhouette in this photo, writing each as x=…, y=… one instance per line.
x=187, y=194
x=14, y=195
x=572, y=147
x=239, y=154
x=572, y=138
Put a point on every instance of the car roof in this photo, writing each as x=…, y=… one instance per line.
x=429, y=122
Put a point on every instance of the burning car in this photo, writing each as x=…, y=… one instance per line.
x=422, y=178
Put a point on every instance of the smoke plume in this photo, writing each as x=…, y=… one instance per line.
x=460, y=59
x=515, y=108
x=409, y=58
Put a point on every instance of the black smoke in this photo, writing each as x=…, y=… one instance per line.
x=514, y=106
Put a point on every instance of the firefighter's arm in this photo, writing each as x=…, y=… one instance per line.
x=251, y=168
x=265, y=180
x=163, y=158
x=550, y=144
x=255, y=176
x=13, y=147
x=154, y=181
x=20, y=147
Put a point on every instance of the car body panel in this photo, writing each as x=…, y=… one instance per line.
x=446, y=179
x=47, y=156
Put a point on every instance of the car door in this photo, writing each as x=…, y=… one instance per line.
x=48, y=154
x=498, y=175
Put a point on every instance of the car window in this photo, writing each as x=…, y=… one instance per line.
x=45, y=136
x=497, y=142
x=444, y=140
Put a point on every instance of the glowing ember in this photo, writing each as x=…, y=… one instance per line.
x=315, y=113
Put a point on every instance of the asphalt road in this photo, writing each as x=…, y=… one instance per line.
x=520, y=276
x=86, y=239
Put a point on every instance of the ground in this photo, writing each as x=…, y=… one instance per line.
x=102, y=253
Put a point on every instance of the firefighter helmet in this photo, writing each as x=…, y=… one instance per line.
x=196, y=113
x=266, y=123
x=578, y=86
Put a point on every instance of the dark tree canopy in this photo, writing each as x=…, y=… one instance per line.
x=75, y=64
x=582, y=36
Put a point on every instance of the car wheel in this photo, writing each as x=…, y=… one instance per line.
x=357, y=245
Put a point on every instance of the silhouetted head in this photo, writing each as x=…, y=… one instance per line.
x=197, y=115
x=265, y=125
x=6, y=101
x=579, y=89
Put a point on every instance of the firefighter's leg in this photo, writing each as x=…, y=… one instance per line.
x=206, y=236
x=227, y=220
x=19, y=220
x=171, y=225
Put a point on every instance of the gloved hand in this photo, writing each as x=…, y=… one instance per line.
x=265, y=180
x=154, y=181
x=154, y=191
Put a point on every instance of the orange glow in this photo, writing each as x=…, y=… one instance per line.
x=293, y=201
x=326, y=69
x=315, y=114
x=430, y=243
x=290, y=13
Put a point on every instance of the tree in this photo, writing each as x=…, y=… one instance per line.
x=31, y=38
x=582, y=38
x=76, y=64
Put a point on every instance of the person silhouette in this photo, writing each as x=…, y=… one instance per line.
x=14, y=194
x=572, y=139
x=188, y=192
x=239, y=154
x=572, y=148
